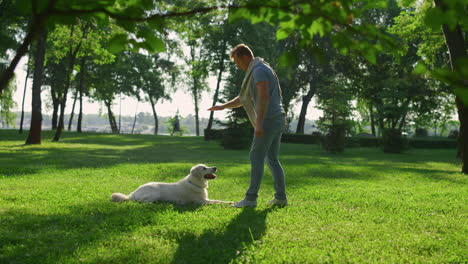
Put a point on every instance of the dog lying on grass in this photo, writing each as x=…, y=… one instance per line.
x=191, y=189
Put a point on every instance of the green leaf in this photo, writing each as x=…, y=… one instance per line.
x=316, y=27
x=127, y=25
x=451, y=20
x=434, y=18
x=41, y=5
x=369, y=54
x=462, y=93
x=23, y=6
x=118, y=43
x=287, y=58
x=157, y=23
x=238, y=14
x=64, y=20
x=375, y=4
x=156, y=44
x=281, y=33
x=420, y=68
x=152, y=43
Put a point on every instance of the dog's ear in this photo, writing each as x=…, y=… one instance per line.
x=194, y=168
x=197, y=170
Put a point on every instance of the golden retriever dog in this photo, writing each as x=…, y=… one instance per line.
x=191, y=189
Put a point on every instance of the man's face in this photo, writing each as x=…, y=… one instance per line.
x=239, y=62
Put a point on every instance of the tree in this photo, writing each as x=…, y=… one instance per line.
x=335, y=102
x=425, y=21
x=34, y=136
x=81, y=92
x=153, y=75
x=72, y=53
x=194, y=32
x=108, y=81
x=309, y=16
x=219, y=35
x=7, y=104
x=314, y=70
x=54, y=77
x=24, y=93
x=69, y=44
x=455, y=40
x=436, y=112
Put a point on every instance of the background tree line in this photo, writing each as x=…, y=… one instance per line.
x=357, y=58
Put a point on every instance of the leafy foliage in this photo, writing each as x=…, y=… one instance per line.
x=335, y=102
x=313, y=19
x=393, y=141
x=7, y=104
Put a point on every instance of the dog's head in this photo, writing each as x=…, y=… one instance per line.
x=203, y=172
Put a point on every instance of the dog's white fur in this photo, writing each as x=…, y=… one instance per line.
x=191, y=189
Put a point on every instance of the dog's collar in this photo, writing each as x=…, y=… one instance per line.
x=195, y=185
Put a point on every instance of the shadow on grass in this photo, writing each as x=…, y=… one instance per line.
x=56, y=238
x=91, y=150
x=32, y=159
x=52, y=238
x=241, y=234
x=17, y=171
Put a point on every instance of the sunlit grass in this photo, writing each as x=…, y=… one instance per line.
x=363, y=206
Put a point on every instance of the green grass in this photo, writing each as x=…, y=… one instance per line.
x=363, y=206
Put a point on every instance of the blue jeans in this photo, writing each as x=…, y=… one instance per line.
x=266, y=149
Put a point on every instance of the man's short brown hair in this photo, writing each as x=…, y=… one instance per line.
x=240, y=50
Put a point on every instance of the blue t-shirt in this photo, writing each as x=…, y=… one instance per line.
x=261, y=73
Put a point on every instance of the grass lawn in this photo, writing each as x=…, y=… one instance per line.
x=363, y=206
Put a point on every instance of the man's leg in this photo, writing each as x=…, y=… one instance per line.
x=276, y=168
x=258, y=152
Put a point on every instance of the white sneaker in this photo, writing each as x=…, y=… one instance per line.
x=245, y=203
x=278, y=202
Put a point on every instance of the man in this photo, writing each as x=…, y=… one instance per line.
x=260, y=96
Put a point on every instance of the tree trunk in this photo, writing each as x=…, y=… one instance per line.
x=381, y=126
x=61, y=120
x=56, y=104
x=34, y=136
x=24, y=95
x=72, y=111
x=72, y=54
x=402, y=121
x=80, y=114
x=197, y=121
x=379, y=119
x=462, y=150
x=112, y=122
x=37, y=27
x=135, y=119
x=305, y=104
x=195, y=90
x=372, y=120
x=120, y=112
x=80, y=88
x=218, y=83
x=456, y=46
x=156, y=122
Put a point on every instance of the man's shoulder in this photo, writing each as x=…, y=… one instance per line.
x=261, y=66
x=261, y=69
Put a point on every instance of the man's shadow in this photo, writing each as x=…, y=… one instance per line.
x=222, y=246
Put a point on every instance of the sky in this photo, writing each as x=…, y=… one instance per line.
x=181, y=101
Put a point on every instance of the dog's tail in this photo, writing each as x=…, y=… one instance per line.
x=119, y=197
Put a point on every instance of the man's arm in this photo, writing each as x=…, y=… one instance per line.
x=262, y=106
x=234, y=103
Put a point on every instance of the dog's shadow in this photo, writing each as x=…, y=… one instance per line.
x=241, y=234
